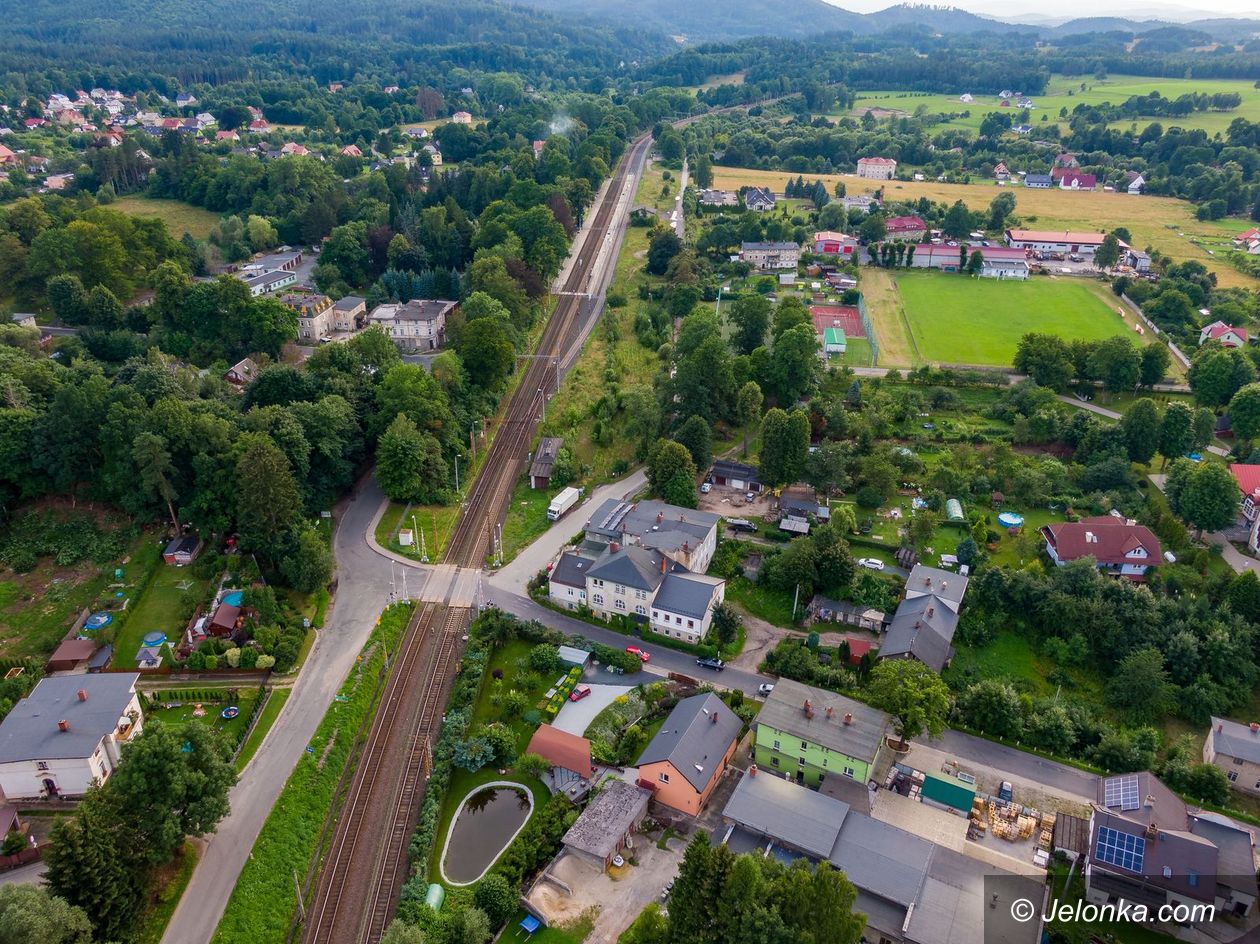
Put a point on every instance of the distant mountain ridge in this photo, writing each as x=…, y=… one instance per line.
x=706, y=20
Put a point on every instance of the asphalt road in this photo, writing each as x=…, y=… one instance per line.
x=364, y=585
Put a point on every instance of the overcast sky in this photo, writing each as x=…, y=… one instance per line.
x=1135, y=8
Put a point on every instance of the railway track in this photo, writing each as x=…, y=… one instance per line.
x=367, y=861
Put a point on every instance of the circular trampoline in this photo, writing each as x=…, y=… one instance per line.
x=98, y=620
x=154, y=639
x=1008, y=519
x=230, y=712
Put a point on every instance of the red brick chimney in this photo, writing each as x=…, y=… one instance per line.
x=614, y=546
x=63, y=725
x=83, y=694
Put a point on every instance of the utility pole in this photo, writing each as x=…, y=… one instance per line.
x=457, y=473
x=424, y=552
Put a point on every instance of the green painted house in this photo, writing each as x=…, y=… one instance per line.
x=810, y=734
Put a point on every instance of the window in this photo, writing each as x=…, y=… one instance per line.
x=1231, y=775
x=619, y=604
x=774, y=762
x=599, y=599
x=804, y=745
x=598, y=583
x=639, y=609
x=663, y=777
x=640, y=594
x=619, y=588
x=691, y=624
x=776, y=745
x=850, y=773
x=824, y=762
x=1238, y=761
x=656, y=614
x=43, y=765
x=800, y=762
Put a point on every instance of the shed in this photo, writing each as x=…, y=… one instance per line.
x=572, y=655
x=101, y=659
x=568, y=754
x=834, y=341
x=794, y=525
x=543, y=460
x=948, y=792
x=826, y=610
x=953, y=510
x=223, y=623
x=1071, y=835
x=182, y=550
x=71, y=654
x=605, y=826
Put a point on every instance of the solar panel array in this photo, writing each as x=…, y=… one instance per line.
x=1120, y=849
x=1121, y=792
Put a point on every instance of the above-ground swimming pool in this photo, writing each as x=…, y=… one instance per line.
x=484, y=826
x=234, y=598
x=97, y=620
x=1008, y=519
x=154, y=639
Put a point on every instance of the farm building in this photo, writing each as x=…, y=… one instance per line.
x=607, y=824
x=735, y=475
x=827, y=243
x=1056, y=240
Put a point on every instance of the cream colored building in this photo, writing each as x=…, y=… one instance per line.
x=1235, y=749
x=877, y=168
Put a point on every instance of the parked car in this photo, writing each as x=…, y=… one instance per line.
x=871, y=563
x=750, y=498
x=741, y=524
x=717, y=665
x=706, y=488
x=1006, y=792
x=765, y=688
x=579, y=693
x=636, y=651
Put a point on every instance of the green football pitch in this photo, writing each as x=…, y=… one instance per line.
x=956, y=319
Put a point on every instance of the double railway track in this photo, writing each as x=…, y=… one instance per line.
x=367, y=861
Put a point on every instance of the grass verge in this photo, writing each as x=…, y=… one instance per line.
x=264, y=899
x=270, y=711
x=169, y=886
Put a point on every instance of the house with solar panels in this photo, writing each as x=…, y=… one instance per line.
x=1147, y=848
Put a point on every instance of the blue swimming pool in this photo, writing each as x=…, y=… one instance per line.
x=234, y=598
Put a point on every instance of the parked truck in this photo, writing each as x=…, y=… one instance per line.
x=562, y=503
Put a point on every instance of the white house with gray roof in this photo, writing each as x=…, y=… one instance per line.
x=924, y=625
x=685, y=535
x=1235, y=748
x=684, y=603
x=68, y=734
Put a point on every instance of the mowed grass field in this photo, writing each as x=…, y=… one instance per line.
x=960, y=320
x=179, y=217
x=1166, y=223
x=1113, y=89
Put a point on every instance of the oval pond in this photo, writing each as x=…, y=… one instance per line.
x=485, y=824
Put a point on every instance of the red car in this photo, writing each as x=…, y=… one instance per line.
x=636, y=651
x=579, y=693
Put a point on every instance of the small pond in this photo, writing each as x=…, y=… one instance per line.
x=484, y=825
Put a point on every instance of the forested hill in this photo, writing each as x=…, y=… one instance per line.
x=48, y=46
x=701, y=20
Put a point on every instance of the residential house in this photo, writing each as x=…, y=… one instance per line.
x=827, y=243
x=182, y=550
x=1235, y=748
x=58, y=181
x=809, y=734
x=314, y=313
x=264, y=281
x=1223, y=334
x=777, y=255
x=1022, y=129
x=876, y=168
x=259, y=126
x=68, y=734
x=568, y=754
x=351, y=150
x=966, y=98
x=924, y=624
x=292, y=148
x=242, y=373
x=7, y=156
x=862, y=202
x=1135, y=183
x=685, y=535
x=24, y=320
x=1066, y=160
x=736, y=475
x=759, y=199
x=226, y=136
x=566, y=584
x=685, y=760
x=999, y=262
x=606, y=827
x=349, y=314
x=185, y=100
x=1147, y=848
x=421, y=324
x=910, y=890
x=462, y=118
x=683, y=605
x=911, y=228
x=543, y=459
x=1118, y=546
x=1057, y=241
x=1244, y=239
x=1075, y=180
x=623, y=581
x=719, y=198
x=1001, y=173
x=1248, y=479
x=537, y=147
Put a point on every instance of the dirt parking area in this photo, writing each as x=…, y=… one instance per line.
x=730, y=503
x=617, y=900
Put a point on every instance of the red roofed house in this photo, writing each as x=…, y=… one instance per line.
x=1226, y=335
x=1001, y=172
x=1066, y=160
x=7, y=156
x=171, y=124
x=226, y=136
x=568, y=754
x=1075, y=180
x=858, y=647
x=834, y=244
x=905, y=227
x=1120, y=547
x=351, y=150
x=35, y=122
x=293, y=148
x=223, y=622
x=1248, y=479
x=876, y=168
x=259, y=124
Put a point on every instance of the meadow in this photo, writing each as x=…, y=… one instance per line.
x=1065, y=92
x=179, y=217
x=1166, y=223
x=961, y=320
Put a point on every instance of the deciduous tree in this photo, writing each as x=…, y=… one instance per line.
x=913, y=694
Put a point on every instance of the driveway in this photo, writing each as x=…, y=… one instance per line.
x=1033, y=777
x=576, y=716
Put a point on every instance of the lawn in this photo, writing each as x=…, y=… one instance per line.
x=1065, y=92
x=857, y=353
x=960, y=320
x=179, y=217
x=169, y=885
x=526, y=517
x=185, y=713
x=437, y=522
x=773, y=606
x=1166, y=223
x=573, y=933
x=164, y=606
x=270, y=711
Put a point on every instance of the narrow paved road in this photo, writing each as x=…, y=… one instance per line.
x=364, y=586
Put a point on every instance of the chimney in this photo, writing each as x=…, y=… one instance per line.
x=713, y=718
x=664, y=566
x=660, y=516
x=1255, y=727
x=928, y=581
x=63, y=725
x=83, y=694
x=1150, y=801
x=752, y=771
x=829, y=710
x=931, y=610
x=614, y=546
x=848, y=717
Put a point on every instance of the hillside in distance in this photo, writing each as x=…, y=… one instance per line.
x=702, y=20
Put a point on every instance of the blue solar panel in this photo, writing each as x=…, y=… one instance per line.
x=1120, y=849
